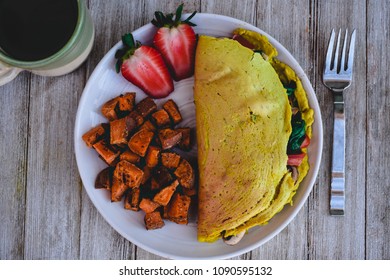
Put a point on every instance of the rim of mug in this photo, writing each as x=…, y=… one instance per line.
x=42, y=62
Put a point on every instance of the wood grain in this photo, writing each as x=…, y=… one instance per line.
x=14, y=122
x=378, y=132
x=345, y=233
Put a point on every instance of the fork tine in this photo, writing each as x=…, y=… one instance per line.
x=351, y=50
x=336, y=54
x=342, y=63
x=328, y=59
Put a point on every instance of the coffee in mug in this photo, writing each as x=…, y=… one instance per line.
x=46, y=37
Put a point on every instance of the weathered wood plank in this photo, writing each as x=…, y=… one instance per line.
x=53, y=198
x=14, y=102
x=341, y=237
x=378, y=131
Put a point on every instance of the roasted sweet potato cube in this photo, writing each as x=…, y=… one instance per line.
x=107, y=152
x=137, y=117
x=129, y=174
x=153, y=220
x=110, y=109
x=104, y=179
x=161, y=118
x=140, y=141
x=162, y=176
x=126, y=102
x=169, y=138
x=118, y=189
x=164, y=196
x=148, y=205
x=173, y=111
x=132, y=200
x=120, y=130
x=178, y=208
x=154, y=184
x=95, y=134
x=146, y=106
x=147, y=174
x=190, y=191
x=148, y=126
x=130, y=157
x=185, y=174
x=170, y=160
x=185, y=141
x=152, y=156
x=165, y=212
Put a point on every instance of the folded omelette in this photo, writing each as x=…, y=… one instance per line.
x=243, y=125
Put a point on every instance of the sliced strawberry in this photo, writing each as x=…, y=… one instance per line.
x=176, y=40
x=144, y=67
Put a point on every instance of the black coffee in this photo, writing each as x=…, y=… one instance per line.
x=35, y=29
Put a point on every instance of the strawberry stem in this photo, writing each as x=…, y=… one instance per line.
x=129, y=47
x=167, y=20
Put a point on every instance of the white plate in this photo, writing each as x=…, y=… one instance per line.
x=179, y=241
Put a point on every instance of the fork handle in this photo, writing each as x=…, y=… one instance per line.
x=337, y=189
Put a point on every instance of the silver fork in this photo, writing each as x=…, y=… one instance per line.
x=337, y=77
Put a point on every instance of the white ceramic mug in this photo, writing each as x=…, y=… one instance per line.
x=67, y=59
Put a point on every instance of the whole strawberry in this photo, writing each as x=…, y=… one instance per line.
x=144, y=67
x=176, y=40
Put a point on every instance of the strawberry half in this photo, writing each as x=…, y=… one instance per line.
x=144, y=67
x=176, y=41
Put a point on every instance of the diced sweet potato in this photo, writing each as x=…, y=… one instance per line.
x=135, y=143
x=140, y=141
x=173, y=111
x=104, y=179
x=162, y=176
x=137, y=117
x=130, y=156
x=132, y=201
x=170, y=160
x=110, y=108
x=146, y=106
x=148, y=126
x=152, y=156
x=95, y=134
x=127, y=102
x=185, y=174
x=118, y=189
x=165, y=212
x=119, y=106
x=129, y=174
x=169, y=138
x=164, y=196
x=154, y=184
x=148, y=205
x=178, y=208
x=161, y=118
x=106, y=151
x=153, y=220
x=120, y=130
x=185, y=141
x=190, y=192
x=147, y=174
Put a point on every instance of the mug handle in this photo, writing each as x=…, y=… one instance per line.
x=8, y=73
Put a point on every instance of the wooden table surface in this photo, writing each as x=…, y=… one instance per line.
x=46, y=213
